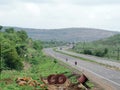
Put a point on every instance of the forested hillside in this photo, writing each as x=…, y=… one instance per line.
x=109, y=47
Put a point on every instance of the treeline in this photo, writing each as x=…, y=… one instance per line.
x=108, y=47
x=53, y=43
x=96, y=52
x=14, y=47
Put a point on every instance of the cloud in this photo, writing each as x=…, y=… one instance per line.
x=79, y=2
x=61, y=13
x=92, y=2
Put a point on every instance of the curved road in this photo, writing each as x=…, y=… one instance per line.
x=103, y=76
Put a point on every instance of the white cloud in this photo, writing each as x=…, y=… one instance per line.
x=60, y=13
x=32, y=8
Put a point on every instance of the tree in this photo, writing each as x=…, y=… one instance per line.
x=1, y=27
x=37, y=45
x=9, y=30
x=21, y=50
x=87, y=51
x=2, y=64
x=105, y=51
x=12, y=60
x=23, y=35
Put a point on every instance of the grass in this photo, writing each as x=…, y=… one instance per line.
x=41, y=66
x=43, y=69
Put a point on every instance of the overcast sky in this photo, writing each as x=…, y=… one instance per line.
x=103, y=14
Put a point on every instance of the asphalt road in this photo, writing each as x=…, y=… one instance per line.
x=108, y=77
x=94, y=58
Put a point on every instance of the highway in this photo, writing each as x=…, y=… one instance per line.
x=112, y=63
x=106, y=77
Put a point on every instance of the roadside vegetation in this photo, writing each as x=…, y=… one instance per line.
x=23, y=57
x=16, y=49
x=109, y=47
x=53, y=43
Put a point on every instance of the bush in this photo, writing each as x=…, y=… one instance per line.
x=37, y=45
x=105, y=51
x=21, y=50
x=87, y=51
x=13, y=48
x=101, y=53
x=12, y=60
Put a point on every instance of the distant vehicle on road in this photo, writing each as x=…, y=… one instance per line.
x=66, y=59
x=75, y=63
x=60, y=48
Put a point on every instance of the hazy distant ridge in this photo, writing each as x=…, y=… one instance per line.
x=68, y=34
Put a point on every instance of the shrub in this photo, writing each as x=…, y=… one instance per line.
x=12, y=60
x=87, y=51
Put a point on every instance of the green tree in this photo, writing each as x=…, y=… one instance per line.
x=12, y=60
x=105, y=51
x=23, y=35
x=87, y=51
x=9, y=30
x=1, y=27
x=37, y=45
x=21, y=50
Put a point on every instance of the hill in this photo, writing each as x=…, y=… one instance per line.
x=108, y=47
x=113, y=40
x=67, y=34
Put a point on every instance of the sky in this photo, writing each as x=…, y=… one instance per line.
x=51, y=14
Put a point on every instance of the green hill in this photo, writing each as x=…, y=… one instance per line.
x=113, y=40
x=108, y=47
